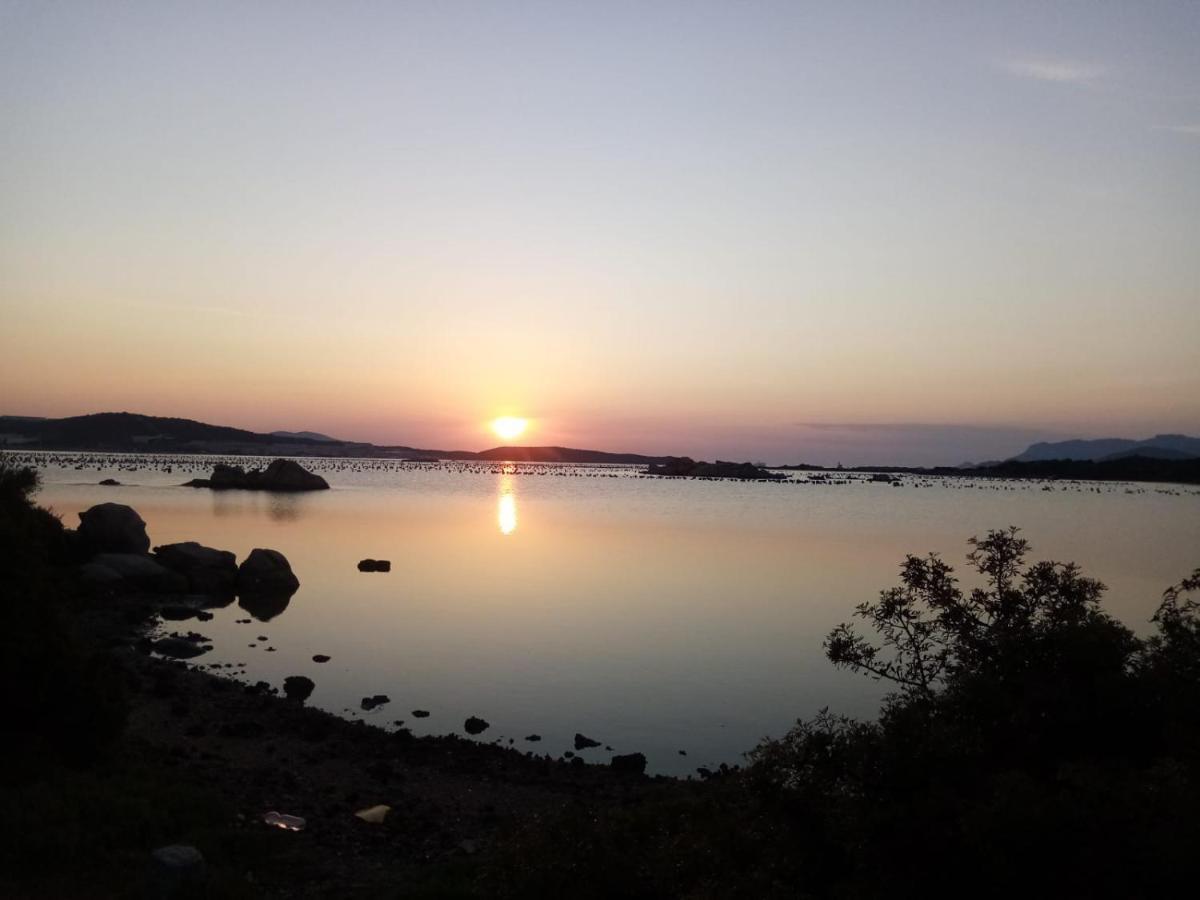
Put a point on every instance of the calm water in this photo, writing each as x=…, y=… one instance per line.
x=652, y=615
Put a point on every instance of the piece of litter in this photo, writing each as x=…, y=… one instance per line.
x=287, y=823
x=375, y=814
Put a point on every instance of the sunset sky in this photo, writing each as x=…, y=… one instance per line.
x=909, y=232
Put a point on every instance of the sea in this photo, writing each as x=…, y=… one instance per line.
x=679, y=618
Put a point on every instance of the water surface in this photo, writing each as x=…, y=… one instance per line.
x=654, y=615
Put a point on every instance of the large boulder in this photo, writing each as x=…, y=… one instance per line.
x=289, y=475
x=208, y=571
x=113, y=528
x=266, y=573
x=139, y=570
x=224, y=476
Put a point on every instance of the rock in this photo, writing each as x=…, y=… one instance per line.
x=629, y=764
x=420, y=713
x=110, y=482
x=280, y=475
x=685, y=467
x=113, y=528
x=208, y=571
x=533, y=737
x=289, y=475
x=476, y=725
x=584, y=743
x=298, y=687
x=178, y=856
x=374, y=565
x=266, y=573
x=320, y=658
x=374, y=815
x=177, y=869
x=179, y=648
x=94, y=573
x=142, y=571
x=369, y=703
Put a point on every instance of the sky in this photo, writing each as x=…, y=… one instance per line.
x=854, y=232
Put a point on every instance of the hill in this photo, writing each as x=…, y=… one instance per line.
x=134, y=433
x=1162, y=446
x=306, y=436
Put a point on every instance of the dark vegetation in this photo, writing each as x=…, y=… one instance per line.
x=1033, y=745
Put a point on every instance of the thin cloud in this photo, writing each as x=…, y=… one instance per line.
x=1061, y=71
x=1193, y=130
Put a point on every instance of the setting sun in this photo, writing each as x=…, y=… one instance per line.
x=509, y=427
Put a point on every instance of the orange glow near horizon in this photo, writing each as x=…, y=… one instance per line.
x=509, y=427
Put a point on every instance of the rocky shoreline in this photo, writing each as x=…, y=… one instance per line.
x=257, y=749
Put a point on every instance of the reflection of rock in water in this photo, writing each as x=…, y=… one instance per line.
x=265, y=607
x=215, y=601
x=284, y=507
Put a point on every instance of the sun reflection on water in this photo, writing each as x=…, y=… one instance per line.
x=507, y=507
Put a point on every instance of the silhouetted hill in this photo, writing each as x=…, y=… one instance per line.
x=306, y=436
x=123, y=430
x=1164, y=446
x=131, y=432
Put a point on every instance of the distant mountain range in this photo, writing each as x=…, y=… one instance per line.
x=132, y=432
x=1161, y=446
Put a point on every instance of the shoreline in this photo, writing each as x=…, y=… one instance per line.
x=254, y=751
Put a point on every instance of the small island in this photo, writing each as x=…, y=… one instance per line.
x=280, y=475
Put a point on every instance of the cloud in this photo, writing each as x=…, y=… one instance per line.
x=1061, y=71
x=1193, y=130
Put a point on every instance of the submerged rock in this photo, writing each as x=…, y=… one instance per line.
x=113, y=528
x=320, y=658
x=110, y=482
x=374, y=565
x=476, y=725
x=369, y=703
x=420, y=713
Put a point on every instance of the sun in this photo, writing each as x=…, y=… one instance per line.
x=509, y=427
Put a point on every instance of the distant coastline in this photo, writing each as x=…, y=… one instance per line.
x=1164, y=458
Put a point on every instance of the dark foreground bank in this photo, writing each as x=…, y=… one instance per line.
x=1033, y=746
